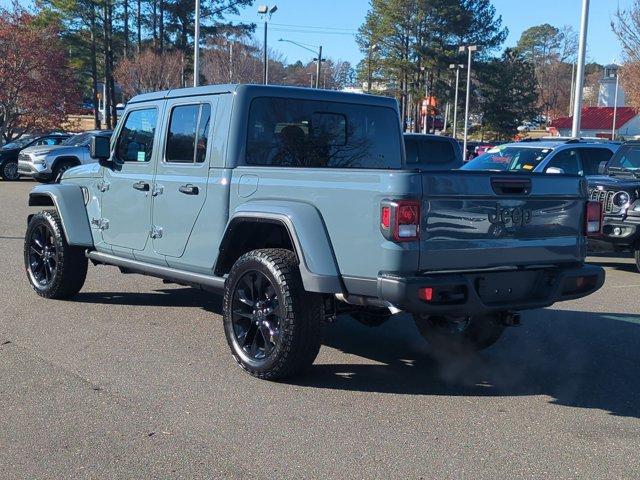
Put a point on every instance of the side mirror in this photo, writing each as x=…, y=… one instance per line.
x=602, y=168
x=100, y=149
x=555, y=171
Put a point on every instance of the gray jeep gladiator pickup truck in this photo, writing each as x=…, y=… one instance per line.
x=297, y=205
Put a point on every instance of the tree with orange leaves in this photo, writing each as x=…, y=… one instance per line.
x=37, y=88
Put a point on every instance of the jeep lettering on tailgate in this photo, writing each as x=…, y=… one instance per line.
x=517, y=216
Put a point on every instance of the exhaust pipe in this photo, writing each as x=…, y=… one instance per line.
x=362, y=301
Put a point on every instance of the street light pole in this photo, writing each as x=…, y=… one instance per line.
x=582, y=53
x=615, y=107
x=196, y=47
x=455, y=101
x=370, y=50
x=318, y=58
x=470, y=49
x=266, y=13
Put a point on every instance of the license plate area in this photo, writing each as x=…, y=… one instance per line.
x=505, y=287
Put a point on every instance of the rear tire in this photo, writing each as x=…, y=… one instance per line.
x=10, y=171
x=459, y=334
x=54, y=268
x=272, y=325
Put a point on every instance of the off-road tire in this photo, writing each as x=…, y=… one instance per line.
x=10, y=171
x=481, y=332
x=71, y=264
x=300, y=313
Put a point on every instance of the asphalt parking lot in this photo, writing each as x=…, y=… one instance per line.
x=133, y=379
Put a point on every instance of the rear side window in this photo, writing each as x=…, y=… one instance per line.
x=592, y=158
x=427, y=151
x=135, y=142
x=306, y=133
x=188, y=133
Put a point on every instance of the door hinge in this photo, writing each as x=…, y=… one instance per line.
x=100, y=223
x=156, y=232
x=103, y=186
x=157, y=190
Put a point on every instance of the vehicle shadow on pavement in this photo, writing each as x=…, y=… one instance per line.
x=584, y=360
x=579, y=359
x=169, y=297
x=622, y=261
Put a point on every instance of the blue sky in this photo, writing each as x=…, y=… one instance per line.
x=333, y=24
x=301, y=20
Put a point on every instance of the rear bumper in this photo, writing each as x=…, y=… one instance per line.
x=486, y=292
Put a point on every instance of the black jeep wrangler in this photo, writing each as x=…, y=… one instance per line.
x=618, y=190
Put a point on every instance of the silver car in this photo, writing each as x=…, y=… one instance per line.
x=573, y=157
x=47, y=163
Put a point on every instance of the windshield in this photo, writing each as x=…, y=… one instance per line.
x=21, y=143
x=509, y=159
x=627, y=158
x=78, y=140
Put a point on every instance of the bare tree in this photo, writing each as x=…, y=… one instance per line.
x=626, y=26
x=149, y=71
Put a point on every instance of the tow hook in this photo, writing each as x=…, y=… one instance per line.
x=510, y=319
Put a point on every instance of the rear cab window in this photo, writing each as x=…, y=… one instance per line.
x=188, y=133
x=289, y=132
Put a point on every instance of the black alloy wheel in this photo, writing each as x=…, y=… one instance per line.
x=255, y=316
x=54, y=268
x=42, y=256
x=272, y=325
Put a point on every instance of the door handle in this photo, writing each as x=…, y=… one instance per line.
x=142, y=186
x=189, y=189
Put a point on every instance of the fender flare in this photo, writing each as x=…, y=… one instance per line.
x=318, y=266
x=69, y=202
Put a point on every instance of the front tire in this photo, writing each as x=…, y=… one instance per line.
x=272, y=325
x=60, y=169
x=459, y=334
x=54, y=268
x=10, y=171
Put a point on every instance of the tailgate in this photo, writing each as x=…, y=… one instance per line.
x=478, y=220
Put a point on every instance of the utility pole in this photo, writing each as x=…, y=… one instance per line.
x=470, y=49
x=319, y=59
x=573, y=86
x=196, y=47
x=266, y=13
x=582, y=53
x=615, y=107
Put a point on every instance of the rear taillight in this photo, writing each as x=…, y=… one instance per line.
x=400, y=220
x=593, y=219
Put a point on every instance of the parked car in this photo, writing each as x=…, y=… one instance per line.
x=575, y=157
x=296, y=205
x=619, y=193
x=47, y=163
x=9, y=152
x=432, y=152
x=528, y=126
